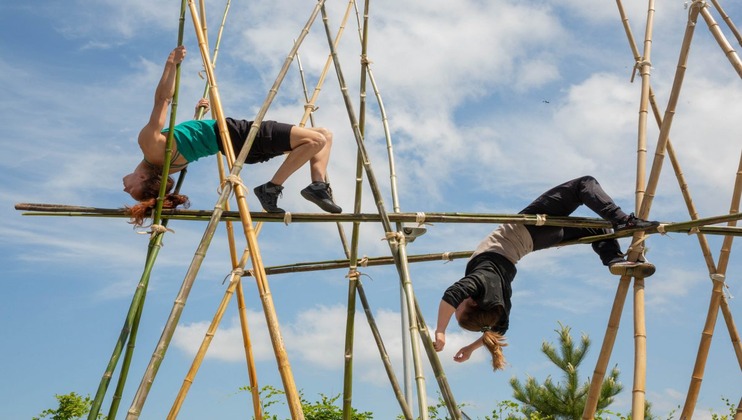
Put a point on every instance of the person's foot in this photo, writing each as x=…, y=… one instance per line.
x=268, y=194
x=320, y=194
x=633, y=222
x=633, y=269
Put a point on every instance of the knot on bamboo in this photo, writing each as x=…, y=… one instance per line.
x=694, y=230
x=420, y=218
x=398, y=236
x=232, y=179
x=661, y=229
x=364, y=60
x=363, y=261
x=287, y=218
x=718, y=277
x=236, y=273
x=638, y=66
x=155, y=229
x=446, y=256
x=540, y=219
x=311, y=107
x=353, y=274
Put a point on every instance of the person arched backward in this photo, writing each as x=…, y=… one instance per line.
x=481, y=299
x=199, y=138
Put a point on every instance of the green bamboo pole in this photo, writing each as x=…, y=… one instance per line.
x=135, y=309
x=392, y=239
x=284, y=368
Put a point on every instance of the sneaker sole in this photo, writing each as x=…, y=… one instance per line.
x=641, y=270
x=330, y=208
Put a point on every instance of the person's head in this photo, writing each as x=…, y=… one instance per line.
x=470, y=317
x=143, y=185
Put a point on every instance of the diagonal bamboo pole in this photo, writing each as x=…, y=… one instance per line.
x=382, y=211
x=131, y=324
x=717, y=296
x=728, y=21
x=234, y=185
x=729, y=51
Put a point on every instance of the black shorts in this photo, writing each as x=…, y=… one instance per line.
x=273, y=139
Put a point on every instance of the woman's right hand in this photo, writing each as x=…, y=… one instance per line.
x=202, y=103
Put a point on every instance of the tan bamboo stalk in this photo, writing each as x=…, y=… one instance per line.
x=644, y=67
x=728, y=21
x=392, y=240
x=406, y=411
x=280, y=352
x=716, y=298
x=180, y=398
x=722, y=40
x=640, y=351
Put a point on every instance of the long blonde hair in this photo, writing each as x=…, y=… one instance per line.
x=475, y=319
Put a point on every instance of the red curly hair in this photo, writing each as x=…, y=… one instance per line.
x=148, y=199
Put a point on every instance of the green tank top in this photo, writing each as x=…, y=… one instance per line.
x=195, y=139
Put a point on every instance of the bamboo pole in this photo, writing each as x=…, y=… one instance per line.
x=135, y=309
x=728, y=21
x=729, y=51
x=269, y=310
x=392, y=240
x=714, y=304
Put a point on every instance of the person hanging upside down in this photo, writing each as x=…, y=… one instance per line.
x=481, y=299
x=198, y=138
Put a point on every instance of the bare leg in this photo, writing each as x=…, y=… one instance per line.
x=307, y=145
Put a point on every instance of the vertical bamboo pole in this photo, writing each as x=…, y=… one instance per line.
x=640, y=335
x=392, y=239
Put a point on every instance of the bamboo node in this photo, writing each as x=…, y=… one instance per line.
x=540, y=219
x=287, y=218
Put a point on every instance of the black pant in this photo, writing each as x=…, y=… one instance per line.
x=564, y=199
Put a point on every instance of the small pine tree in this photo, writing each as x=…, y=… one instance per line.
x=566, y=399
x=71, y=406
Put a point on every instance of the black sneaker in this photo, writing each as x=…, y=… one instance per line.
x=633, y=222
x=268, y=194
x=634, y=269
x=320, y=194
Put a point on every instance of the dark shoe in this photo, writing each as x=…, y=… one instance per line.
x=320, y=194
x=633, y=222
x=268, y=194
x=633, y=269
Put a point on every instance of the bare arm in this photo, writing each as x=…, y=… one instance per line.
x=466, y=351
x=163, y=95
x=445, y=311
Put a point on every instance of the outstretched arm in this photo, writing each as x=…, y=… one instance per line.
x=163, y=96
x=445, y=311
x=466, y=351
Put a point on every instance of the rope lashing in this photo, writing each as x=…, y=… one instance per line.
x=446, y=256
x=238, y=272
x=155, y=229
x=638, y=66
x=661, y=229
x=394, y=235
x=420, y=218
x=365, y=60
x=287, y=218
x=363, y=261
x=540, y=219
x=694, y=230
x=311, y=107
x=717, y=277
x=232, y=179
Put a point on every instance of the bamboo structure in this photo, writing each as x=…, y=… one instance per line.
x=415, y=330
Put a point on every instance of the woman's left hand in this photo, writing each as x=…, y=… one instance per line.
x=463, y=354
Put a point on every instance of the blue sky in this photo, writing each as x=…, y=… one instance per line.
x=489, y=104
